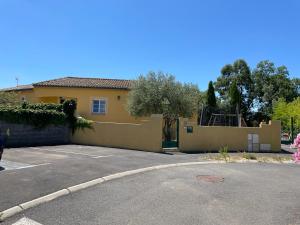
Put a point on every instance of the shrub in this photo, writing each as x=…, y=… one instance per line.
x=8, y=98
x=36, y=118
x=41, y=115
x=69, y=108
x=43, y=106
x=82, y=123
x=249, y=156
x=223, y=151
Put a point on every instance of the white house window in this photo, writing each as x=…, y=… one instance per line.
x=99, y=106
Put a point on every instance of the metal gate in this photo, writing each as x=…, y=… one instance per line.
x=174, y=140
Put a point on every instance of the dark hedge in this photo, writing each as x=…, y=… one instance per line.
x=43, y=106
x=38, y=118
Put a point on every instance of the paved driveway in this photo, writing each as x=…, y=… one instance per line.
x=33, y=172
x=205, y=194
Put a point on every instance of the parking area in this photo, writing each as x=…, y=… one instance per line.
x=24, y=158
x=52, y=154
x=28, y=173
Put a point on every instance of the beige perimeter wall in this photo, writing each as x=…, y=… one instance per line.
x=263, y=138
x=145, y=136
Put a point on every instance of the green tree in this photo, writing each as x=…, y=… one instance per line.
x=272, y=83
x=211, y=96
x=296, y=83
x=283, y=111
x=240, y=73
x=235, y=96
x=159, y=93
x=235, y=100
x=9, y=98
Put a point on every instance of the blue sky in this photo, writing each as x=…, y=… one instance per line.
x=41, y=40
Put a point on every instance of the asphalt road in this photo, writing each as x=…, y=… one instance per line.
x=206, y=194
x=34, y=172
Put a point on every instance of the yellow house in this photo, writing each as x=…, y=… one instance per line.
x=104, y=101
x=97, y=99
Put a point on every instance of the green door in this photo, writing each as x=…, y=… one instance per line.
x=174, y=142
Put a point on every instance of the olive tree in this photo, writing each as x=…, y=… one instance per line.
x=8, y=98
x=160, y=93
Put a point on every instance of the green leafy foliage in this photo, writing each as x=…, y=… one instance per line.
x=249, y=156
x=258, y=89
x=37, y=118
x=211, y=96
x=43, y=106
x=235, y=96
x=8, y=98
x=272, y=83
x=283, y=110
x=159, y=93
x=82, y=123
x=223, y=151
x=69, y=108
x=240, y=73
x=41, y=115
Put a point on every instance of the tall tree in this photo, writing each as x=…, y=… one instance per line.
x=159, y=93
x=235, y=100
x=296, y=82
x=239, y=72
x=272, y=83
x=211, y=96
x=235, y=96
x=283, y=111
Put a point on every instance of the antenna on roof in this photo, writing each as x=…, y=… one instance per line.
x=17, y=79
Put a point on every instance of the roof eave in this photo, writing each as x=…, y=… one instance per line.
x=64, y=86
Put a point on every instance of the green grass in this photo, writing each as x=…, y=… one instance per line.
x=223, y=151
x=249, y=156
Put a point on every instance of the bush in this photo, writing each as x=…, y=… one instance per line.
x=249, y=156
x=43, y=106
x=223, y=151
x=69, y=108
x=8, y=98
x=41, y=115
x=36, y=118
x=82, y=123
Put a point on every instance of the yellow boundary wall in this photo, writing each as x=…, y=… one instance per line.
x=145, y=136
x=204, y=138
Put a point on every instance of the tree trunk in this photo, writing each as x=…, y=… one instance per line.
x=238, y=116
x=167, y=129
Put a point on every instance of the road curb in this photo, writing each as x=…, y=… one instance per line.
x=10, y=212
x=66, y=191
x=46, y=198
x=85, y=185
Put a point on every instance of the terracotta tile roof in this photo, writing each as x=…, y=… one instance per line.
x=86, y=83
x=18, y=88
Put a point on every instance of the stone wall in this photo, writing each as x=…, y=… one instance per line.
x=25, y=135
